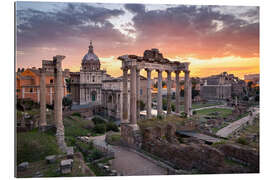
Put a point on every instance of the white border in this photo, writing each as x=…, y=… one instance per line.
x=7, y=83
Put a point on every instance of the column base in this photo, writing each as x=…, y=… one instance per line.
x=125, y=121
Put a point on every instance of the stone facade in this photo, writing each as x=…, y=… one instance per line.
x=86, y=85
x=222, y=86
x=28, y=83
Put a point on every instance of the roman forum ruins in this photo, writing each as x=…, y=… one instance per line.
x=53, y=66
x=152, y=61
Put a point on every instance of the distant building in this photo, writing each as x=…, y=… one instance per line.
x=222, y=86
x=28, y=83
x=112, y=96
x=86, y=85
x=255, y=78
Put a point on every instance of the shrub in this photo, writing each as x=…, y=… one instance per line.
x=98, y=120
x=110, y=126
x=67, y=102
x=100, y=128
x=76, y=114
x=96, y=154
x=183, y=114
x=242, y=140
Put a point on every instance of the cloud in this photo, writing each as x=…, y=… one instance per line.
x=63, y=26
x=184, y=30
x=135, y=8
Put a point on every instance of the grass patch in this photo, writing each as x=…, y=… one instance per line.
x=176, y=120
x=75, y=127
x=221, y=112
x=242, y=140
x=35, y=146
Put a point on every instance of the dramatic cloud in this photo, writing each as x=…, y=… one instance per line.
x=76, y=21
x=201, y=32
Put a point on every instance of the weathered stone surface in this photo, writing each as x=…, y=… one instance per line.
x=51, y=159
x=243, y=155
x=194, y=156
x=131, y=137
x=23, y=166
x=70, y=152
x=66, y=166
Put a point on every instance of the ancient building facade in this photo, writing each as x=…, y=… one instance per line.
x=86, y=85
x=222, y=86
x=28, y=83
x=112, y=96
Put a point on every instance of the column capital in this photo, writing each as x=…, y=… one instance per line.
x=58, y=58
x=159, y=71
x=125, y=68
x=177, y=72
x=169, y=71
x=186, y=71
x=147, y=69
x=138, y=69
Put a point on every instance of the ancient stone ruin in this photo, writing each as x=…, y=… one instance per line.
x=152, y=60
x=56, y=66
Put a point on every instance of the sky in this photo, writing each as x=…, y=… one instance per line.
x=213, y=39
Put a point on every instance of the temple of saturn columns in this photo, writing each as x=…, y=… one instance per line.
x=53, y=66
x=152, y=61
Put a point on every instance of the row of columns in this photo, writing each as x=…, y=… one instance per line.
x=135, y=94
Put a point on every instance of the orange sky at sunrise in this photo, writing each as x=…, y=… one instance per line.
x=213, y=39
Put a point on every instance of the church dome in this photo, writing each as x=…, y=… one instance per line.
x=90, y=56
x=90, y=61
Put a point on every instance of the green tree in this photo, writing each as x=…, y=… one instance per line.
x=68, y=85
x=67, y=102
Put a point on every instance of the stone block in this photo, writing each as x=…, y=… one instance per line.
x=23, y=166
x=70, y=152
x=51, y=159
x=66, y=166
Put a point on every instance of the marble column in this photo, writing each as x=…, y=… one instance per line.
x=138, y=92
x=43, y=122
x=169, y=92
x=22, y=93
x=51, y=96
x=149, y=95
x=159, y=95
x=190, y=97
x=38, y=95
x=58, y=103
x=133, y=98
x=125, y=95
x=54, y=98
x=177, y=92
x=186, y=94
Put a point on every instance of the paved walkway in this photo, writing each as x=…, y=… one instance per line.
x=226, y=131
x=128, y=162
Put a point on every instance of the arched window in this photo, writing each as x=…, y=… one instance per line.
x=93, y=78
x=94, y=95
